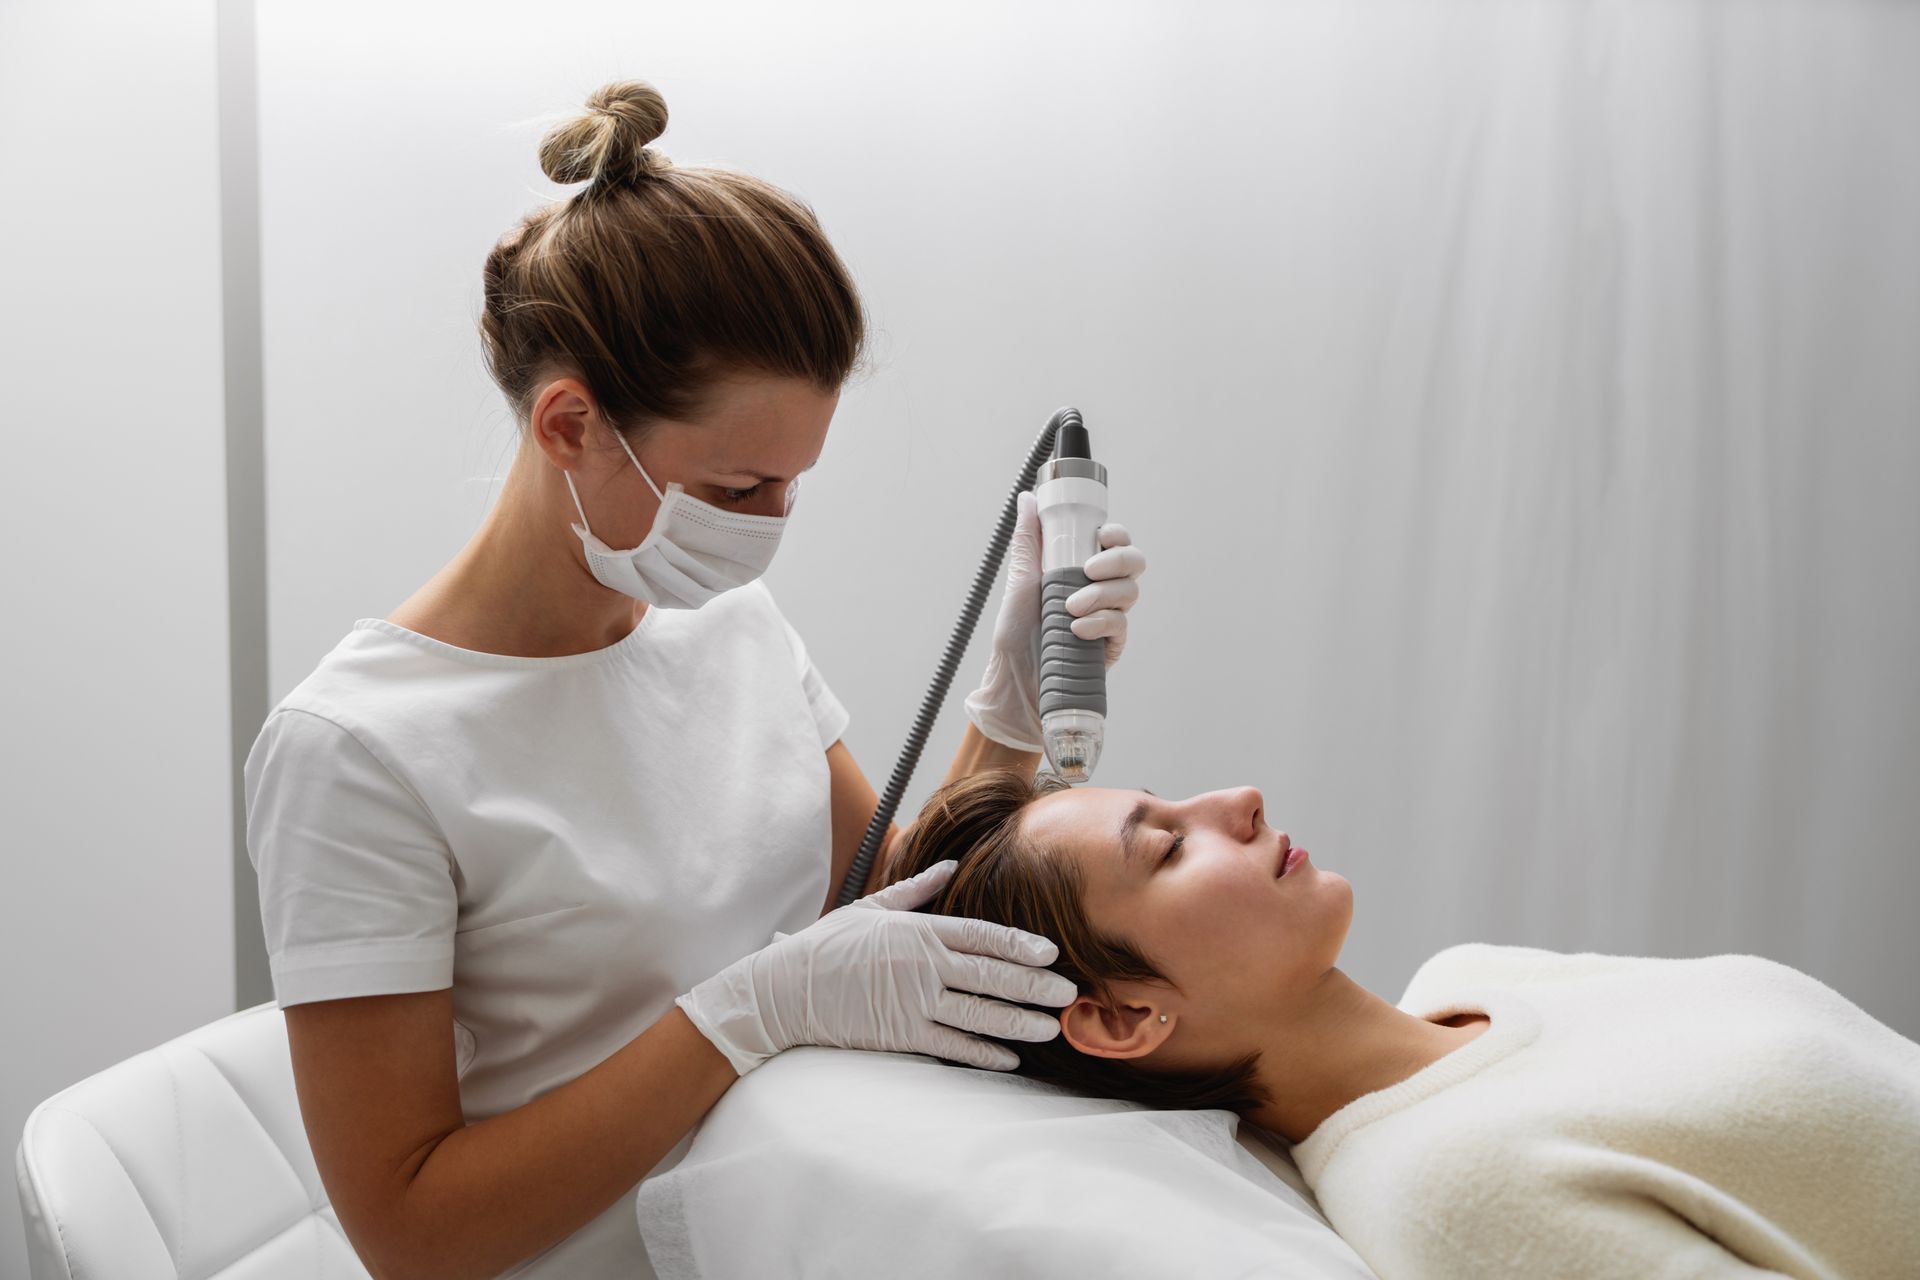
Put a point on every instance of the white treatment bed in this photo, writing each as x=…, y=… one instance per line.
x=833, y=1162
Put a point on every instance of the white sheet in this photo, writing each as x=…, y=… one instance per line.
x=832, y=1162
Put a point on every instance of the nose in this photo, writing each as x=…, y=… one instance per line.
x=1243, y=808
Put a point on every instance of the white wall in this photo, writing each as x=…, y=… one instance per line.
x=116, y=898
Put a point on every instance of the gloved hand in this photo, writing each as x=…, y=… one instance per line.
x=1006, y=706
x=875, y=974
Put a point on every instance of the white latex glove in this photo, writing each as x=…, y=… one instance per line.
x=875, y=974
x=1006, y=706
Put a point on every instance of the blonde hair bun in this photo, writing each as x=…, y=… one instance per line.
x=609, y=141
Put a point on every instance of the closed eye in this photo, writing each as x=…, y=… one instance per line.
x=1173, y=849
x=740, y=495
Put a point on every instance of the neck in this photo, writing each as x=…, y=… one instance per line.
x=1343, y=1042
x=521, y=584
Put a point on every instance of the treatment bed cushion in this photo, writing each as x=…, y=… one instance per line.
x=854, y=1164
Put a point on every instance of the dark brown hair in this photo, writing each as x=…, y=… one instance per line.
x=654, y=282
x=1008, y=879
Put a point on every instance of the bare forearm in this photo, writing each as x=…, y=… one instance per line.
x=979, y=752
x=883, y=861
x=495, y=1193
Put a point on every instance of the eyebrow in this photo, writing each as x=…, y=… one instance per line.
x=1135, y=816
x=745, y=471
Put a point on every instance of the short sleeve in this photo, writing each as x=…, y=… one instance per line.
x=830, y=718
x=356, y=881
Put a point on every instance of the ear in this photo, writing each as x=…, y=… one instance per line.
x=561, y=420
x=1129, y=1031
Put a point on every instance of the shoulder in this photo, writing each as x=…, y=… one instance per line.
x=756, y=599
x=1472, y=962
x=1730, y=979
x=1771, y=986
x=333, y=712
x=1486, y=963
x=355, y=711
x=750, y=604
x=309, y=751
x=369, y=663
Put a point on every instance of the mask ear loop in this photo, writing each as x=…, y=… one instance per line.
x=643, y=471
x=568, y=477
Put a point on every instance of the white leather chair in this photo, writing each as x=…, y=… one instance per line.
x=186, y=1160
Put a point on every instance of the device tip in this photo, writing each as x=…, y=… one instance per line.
x=1073, y=753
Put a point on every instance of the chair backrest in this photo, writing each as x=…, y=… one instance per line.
x=186, y=1160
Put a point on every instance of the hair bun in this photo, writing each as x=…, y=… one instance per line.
x=608, y=142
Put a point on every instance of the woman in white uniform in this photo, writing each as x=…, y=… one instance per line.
x=524, y=845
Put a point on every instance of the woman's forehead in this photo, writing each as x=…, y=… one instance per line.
x=780, y=439
x=1083, y=824
x=1082, y=818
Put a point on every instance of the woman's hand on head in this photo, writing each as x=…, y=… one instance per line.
x=877, y=974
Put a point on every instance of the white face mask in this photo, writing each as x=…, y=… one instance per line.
x=694, y=551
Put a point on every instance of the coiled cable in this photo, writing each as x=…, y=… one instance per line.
x=856, y=879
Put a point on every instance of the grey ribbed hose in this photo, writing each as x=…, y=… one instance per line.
x=956, y=649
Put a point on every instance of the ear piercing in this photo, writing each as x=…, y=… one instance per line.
x=1163, y=1017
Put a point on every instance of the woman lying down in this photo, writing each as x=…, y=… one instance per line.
x=1520, y=1113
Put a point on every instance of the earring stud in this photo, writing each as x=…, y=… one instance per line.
x=1163, y=1017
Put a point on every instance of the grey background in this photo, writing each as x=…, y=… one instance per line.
x=1516, y=402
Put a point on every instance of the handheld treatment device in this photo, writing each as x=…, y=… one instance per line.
x=1072, y=496
x=1072, y=501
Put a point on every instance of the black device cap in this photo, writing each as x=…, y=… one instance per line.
x=1071, y=441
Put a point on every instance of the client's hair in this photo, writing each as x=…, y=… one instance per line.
x=1010, y=880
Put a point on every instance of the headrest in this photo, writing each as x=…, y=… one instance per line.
x=861, y=1164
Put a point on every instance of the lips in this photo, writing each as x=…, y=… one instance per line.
x=1286, y=855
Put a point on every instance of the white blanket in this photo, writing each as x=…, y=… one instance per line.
x=832, y=1162
x=1628, y=1117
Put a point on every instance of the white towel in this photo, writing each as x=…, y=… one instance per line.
x=1633, y=1117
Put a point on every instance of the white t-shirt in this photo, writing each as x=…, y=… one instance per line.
x=1631, y=1117
x=568, y=843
